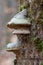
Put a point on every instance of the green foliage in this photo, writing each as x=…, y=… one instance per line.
x=41, y=63
x=35, y=13
x=42, y=53
x=38, y=47
x=21, y=7
x=38, y=43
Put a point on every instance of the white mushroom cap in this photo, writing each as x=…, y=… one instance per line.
x=21, y=14
x=14, y=45
x=19, y=19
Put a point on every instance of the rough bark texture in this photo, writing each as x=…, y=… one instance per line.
x=29, y=56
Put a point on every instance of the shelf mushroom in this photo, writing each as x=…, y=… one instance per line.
x=22, y=27
x=23, y=36
x=19, y=20
x=14, y=47
x=21, y=31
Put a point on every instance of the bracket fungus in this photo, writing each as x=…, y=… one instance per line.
x=21, y=31
x=19, y=20
x=22, y=26
x=14, y=47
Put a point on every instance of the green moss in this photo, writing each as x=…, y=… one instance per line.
x=21, y=7
x=38, y=43
x=42, y=53
x=41, y=63
x=38, y=47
